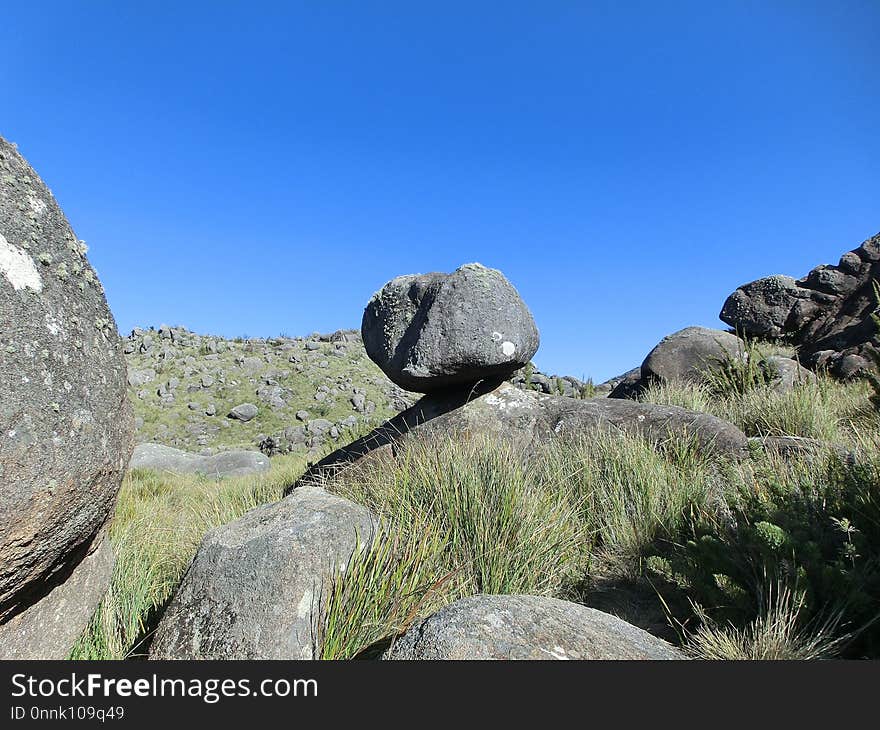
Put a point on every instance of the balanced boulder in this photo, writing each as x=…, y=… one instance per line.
x=256, y=585
x=434, y=331
x=826, y=314
x=526, y=627
x=66, y=425
x=234, y=463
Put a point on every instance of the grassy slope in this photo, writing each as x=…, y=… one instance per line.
x=177, y=425
x=767, y=559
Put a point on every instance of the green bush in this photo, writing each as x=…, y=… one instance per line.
x=811, y=528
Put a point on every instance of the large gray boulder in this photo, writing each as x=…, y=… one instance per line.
x=433, y=331
x=687, y=355
x=527, y=420
x=66, y=426
x=256, y=585
x=234, y=463
x=826, y=314
x=526, y=627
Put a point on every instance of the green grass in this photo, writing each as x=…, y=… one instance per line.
x=176, y=425
x=826, y=410
x=772, y=558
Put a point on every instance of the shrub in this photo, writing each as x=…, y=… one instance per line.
x=811, y=528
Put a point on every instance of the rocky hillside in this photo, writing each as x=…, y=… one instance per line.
x=189, y=390
x=204, y=393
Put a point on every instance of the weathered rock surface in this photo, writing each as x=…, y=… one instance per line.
x=527, y=419
x=786, y=374
x=244, y=412
x=66, y=425
x=686, y=355
x=826, y=313
x=434, y=331
x=526, y=627
x=255, y=586
x=49, y=628
x=159, y=457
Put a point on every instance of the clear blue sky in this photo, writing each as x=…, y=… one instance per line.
x=257, y=168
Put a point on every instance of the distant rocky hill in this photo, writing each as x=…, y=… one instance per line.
x=307, y=391
x=205, y=393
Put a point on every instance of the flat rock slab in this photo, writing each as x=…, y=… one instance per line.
x=256, y=585
x=159, y=457
x=526, y=627
x=528, y=419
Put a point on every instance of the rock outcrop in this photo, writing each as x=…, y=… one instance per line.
x=692, y=354
x=233, y=463
x=527, y=420
x=256, y=585
x=526, y=627
x=826, y=314
x=66, y=425
x=433, y=331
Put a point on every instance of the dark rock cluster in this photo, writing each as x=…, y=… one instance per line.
x=826, y=314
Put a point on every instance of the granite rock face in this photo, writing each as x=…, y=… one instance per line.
x=49, y=628
x=66, y=425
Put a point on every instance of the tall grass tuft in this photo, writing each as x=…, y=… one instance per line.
x=779, y=632
x=385, y=586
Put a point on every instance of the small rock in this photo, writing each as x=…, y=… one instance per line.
x=244, y=412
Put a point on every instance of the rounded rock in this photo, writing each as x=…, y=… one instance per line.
x=433, y=331
x=66, y=425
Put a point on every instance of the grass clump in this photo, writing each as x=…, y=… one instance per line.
x=778, y=632
x=810, y=527
x=476, y=516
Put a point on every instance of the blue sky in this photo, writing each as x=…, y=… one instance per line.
x=258, y=168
